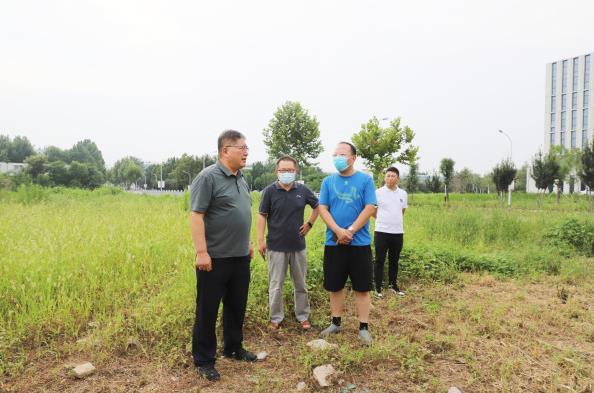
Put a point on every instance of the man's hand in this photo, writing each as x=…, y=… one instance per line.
x=262, y=248
x=304, y=229
x=343, y=236
x=203, y=261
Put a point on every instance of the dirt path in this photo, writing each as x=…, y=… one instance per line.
x=479, y=334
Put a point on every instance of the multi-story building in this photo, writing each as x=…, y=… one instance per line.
x=568, y=108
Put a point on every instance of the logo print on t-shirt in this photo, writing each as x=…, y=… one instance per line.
x=348, y=197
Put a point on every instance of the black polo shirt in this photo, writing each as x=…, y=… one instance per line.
x=284, y=214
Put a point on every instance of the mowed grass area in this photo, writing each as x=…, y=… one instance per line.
x=490, y=289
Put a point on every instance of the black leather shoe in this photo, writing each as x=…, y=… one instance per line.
x=209, y=372
x=242, y=354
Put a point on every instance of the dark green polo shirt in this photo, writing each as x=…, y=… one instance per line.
x=225, y=200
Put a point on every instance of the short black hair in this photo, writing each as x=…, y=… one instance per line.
x=353, y=148
x=393, y=169
x=286, y=158
x=228, y=135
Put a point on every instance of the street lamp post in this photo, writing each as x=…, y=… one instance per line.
x=510, y=158
x=510, y=143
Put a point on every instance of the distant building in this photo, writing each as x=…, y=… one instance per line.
x=567, y=108
x=12, y=168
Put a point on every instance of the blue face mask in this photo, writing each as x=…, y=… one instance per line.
x=341, y=163
x=286, y=178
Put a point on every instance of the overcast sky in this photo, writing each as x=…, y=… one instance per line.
x=155, y=79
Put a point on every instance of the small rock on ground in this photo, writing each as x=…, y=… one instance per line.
x=323, y=374
x=454, y=389
x=301, y=386
x=321, y=345
x=83, y=370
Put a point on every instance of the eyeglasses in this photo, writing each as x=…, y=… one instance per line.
x=243, y=148
x=286, y=170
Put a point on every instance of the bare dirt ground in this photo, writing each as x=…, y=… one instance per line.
x=479, y=334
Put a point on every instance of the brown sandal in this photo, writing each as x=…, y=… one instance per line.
x=274, y=326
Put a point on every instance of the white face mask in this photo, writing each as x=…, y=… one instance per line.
x=286, y=178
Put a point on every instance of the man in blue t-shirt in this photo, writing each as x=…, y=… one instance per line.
x=347, y=201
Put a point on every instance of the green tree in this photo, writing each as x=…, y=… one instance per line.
x=36, y=165
x=412, y=179
x=54, y=153
x=545, y=169
x=569, y=164
x=520, y=183
x=78, y=172
x=465, y=181
x=58, y=173
x=503, y=175
x=261, y=174
x=4, y=147
x=19, y=149
x=446, y=168
x=263, y=180
x=382, y=147
x=186, y=168
x=313, y=177
x=294, y=132
x=87, y=151
x=433, y=182
x=586, y=171
x=95, y=177
x=126, y=171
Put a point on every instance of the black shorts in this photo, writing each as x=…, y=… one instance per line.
x=341, y=262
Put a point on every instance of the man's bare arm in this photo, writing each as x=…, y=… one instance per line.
x=363, y=217
x=203, y=261
x=261, y=231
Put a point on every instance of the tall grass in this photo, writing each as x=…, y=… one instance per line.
x=125, y=263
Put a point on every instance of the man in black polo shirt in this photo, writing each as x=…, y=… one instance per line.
x=220, y=221
x=282, y=206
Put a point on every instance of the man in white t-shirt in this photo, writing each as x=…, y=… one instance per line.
x=392, y=201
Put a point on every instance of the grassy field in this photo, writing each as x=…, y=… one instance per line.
x=83, y=272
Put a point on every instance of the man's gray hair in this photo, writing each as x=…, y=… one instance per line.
x=228, y=136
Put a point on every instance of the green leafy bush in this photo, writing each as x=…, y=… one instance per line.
x=574, y=234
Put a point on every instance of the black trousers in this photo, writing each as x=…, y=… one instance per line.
x=391, y=244
x=229, y=281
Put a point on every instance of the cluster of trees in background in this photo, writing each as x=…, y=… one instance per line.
x=560, y=165
x=293, y=131
x=80, y=166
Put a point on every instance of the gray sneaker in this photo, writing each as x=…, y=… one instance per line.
x=365, y=337
x=332, y=329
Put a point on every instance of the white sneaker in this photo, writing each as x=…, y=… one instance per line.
x=396, y=291
x=378, y=295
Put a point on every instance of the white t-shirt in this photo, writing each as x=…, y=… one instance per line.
x=389, y=210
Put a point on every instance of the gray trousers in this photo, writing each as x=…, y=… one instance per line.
x=278, y=261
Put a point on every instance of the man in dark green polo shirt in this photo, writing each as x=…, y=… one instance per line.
x=282, y=207
x=220, y=221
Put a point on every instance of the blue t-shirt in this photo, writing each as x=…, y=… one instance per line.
x=346, y=197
